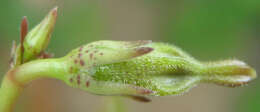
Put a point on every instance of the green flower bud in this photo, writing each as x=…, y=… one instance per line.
x=135, y=69
x=36, y=41
x=143, y=68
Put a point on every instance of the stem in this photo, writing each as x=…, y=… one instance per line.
x=9, y=92
x=17, y=78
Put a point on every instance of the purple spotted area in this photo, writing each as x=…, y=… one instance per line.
x=82, y=63
x=87, y=56
x=86, y=51
x=79, y=80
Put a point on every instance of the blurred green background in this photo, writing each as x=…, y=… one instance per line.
x=207, y=29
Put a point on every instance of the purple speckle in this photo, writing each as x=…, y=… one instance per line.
x=79, y=55
x=82, y=63
x=78, y=79
x=71, y=79
x=91, y=55
x=80, y=49
x=87, y=83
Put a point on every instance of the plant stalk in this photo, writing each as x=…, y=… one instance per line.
x=17, y=78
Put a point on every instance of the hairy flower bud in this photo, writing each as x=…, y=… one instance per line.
x=142, y=68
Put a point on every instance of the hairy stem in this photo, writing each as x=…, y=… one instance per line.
x=17, y=78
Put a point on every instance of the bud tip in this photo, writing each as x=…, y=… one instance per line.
x=54, y=11
x=143, y=50
x=24, y=28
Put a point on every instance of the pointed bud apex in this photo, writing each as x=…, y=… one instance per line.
x=143, y=50
x=24, y=30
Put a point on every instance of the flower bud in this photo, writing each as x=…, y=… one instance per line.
x=37, y=40
x=143, y=68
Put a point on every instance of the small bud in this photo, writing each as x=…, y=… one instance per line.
x=38, y=38
x=36, y=41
